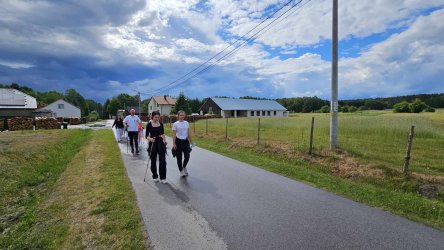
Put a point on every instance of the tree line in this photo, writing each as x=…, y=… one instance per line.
x=410, y=103
x=315, y=104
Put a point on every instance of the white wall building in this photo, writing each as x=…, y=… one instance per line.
x=62, y=108
x=163, y=104
x=229, y=107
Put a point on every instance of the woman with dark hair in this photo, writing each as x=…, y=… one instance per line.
x=181, y=142
x=157, y=146
x=118, y=122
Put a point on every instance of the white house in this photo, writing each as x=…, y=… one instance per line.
x=229, y=107
x=62, y=108
x=16, y=103
x=163, y=104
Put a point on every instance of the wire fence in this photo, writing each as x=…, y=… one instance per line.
x=376, y=138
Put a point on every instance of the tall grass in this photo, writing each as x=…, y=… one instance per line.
x=377, y=137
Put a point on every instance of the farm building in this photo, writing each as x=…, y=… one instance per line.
x=16, y=103
x=61, y=108
x=228, y=107
x=163, y=104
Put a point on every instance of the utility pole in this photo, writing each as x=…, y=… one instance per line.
x=140, y=111
x=334, y=80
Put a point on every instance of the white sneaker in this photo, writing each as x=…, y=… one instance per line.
x=185, y=171
x=156, y=180
x=164, y=181
x=182, y=173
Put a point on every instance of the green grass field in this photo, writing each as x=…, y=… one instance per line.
x=375, y=137
x=66, y=189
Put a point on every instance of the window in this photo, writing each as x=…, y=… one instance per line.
x=274, y=113
x=263, y=113
x=269, y=113
x=61, y=106
x=252, y=113
x=151, y=107
x=158, y=105
x=258, y=113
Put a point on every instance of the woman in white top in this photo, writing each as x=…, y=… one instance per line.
x=181, y=142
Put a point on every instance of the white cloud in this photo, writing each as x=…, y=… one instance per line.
x=406, y=61
x=16, y=65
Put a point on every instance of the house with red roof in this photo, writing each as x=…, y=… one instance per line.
x=163, y=104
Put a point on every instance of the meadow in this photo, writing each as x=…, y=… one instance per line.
x=371, y=137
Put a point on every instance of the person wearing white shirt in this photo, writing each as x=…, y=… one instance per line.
x=131, y=124
x=181, y=142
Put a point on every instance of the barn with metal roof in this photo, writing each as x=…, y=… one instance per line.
x=16, y=103
x=230, y=107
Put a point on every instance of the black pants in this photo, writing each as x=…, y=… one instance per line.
x=183, y=146
x=162, y=165
x=134, y=136
x=154, y=149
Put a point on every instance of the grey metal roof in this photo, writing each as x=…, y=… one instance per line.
x=15, y=99
x=247, y=104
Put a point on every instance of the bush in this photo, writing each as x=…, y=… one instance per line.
x=429, y=109
x=352, y=109
x=417, y=106
x=402, y=107
x=325, y=109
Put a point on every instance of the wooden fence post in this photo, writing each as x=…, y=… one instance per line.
x=226, y=129
x=206, y=126
x=407, y=154
x=258, y=130
x=310, y=150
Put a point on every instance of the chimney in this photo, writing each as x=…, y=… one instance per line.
x=165, y=97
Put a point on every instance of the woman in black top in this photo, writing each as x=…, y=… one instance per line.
x=157, y=146
x=118, y=122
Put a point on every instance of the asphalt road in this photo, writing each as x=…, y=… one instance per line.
x=226, y=204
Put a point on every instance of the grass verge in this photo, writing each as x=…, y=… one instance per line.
x=75, y=195
x=396, y=196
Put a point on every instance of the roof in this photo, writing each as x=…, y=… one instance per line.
x=247, y=104
x=164, y=100
x=15, y=99
x=59, y=100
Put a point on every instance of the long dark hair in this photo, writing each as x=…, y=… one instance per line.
x=155, y=113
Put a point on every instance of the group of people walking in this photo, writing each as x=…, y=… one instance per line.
x=155, y=134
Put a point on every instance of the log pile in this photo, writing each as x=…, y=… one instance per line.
x=60, y=119
x=2, y=124
x=74, y=121
x=46, y=123
x=20, y=123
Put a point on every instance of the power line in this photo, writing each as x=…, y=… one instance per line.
x=255, y=35
x=176, y=82
x=231, y=44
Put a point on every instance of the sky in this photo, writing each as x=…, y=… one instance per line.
x=103, y=48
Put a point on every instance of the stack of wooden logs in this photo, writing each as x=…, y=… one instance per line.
x=2, y=124
x=46, y=123
x=74, y=121
x=60, y=119
x=20, y=123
